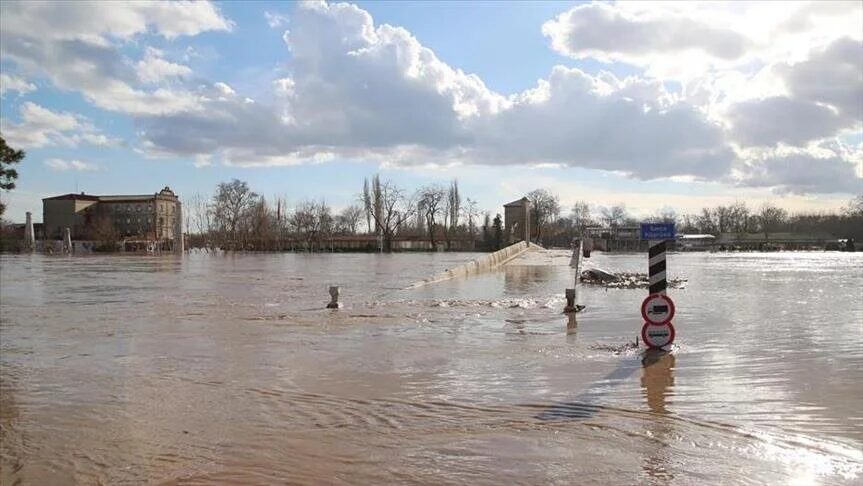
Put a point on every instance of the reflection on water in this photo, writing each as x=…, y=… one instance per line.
x=657, y=381
x=228, y=369
x=519, y=279
x=657, y=378
x=571, y=324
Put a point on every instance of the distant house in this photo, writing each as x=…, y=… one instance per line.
x=616, y=238
x=775, y=241
x=145, y=218
x=695, y=242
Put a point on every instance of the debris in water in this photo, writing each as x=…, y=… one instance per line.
x=623, y=280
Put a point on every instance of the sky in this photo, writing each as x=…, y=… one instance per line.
x=648, y=104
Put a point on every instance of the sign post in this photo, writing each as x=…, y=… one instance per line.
x=656, y=234
x=657, y=309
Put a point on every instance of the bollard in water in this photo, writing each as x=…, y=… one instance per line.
x=67, y=241
x=334, y=298
x=571, y=306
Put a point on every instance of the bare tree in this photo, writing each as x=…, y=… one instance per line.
x=855, y=207
x=312, y=221
x=453, y=208
x=581, y=217
x=349, y=219
x=377, y=201
x=392, y=208
x=771, y=218
x=614, y=216
x=431, y=200
x=486, y=231
x=280, y=222
x=706, y=222
x=367, y=204
x=231, y=207
x=197, y=209
x=739, y=220
x=544, y=208
x=260, y=224
x=663, y=215
x=471, y=213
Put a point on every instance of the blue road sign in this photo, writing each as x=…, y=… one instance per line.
x=657, y=231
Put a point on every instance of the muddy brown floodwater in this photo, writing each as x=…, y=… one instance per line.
x=227, y=369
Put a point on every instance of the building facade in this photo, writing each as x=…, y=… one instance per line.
x=129, y=218
x=516, y=221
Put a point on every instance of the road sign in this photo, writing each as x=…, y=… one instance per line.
x=657, y=309
x=657, y=231
x=657, y=335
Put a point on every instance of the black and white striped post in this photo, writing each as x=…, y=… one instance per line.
x=657, y=281
x=657, y=309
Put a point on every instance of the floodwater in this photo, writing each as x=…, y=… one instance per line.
x=227, y=369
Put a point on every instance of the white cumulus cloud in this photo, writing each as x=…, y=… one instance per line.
x=76, y=46
x=153, y=68
x=10, y=83
x=40, y=127
x=67, y=165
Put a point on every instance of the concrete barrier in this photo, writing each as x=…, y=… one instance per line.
x=485, y=263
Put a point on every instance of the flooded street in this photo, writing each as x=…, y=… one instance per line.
x=228, y=369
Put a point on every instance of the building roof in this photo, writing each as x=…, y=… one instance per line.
x=129, y=198
x=517, y=203
x=696, y=237
x=72, y=196
x=165, y=193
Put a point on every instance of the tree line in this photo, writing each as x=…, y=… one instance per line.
x=237, y=218
x=558, y=229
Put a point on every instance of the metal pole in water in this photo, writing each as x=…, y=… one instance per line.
x=572, y=294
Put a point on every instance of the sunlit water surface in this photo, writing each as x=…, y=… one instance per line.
x=227, y=369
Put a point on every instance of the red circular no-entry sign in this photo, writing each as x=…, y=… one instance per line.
x=657, y=309
x=657, y=335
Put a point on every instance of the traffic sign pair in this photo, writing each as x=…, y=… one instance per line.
x=657, y=311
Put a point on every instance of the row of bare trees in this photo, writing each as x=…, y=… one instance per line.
x=237, y=218
x=736, y=217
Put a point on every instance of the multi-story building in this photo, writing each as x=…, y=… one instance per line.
x=151, y=217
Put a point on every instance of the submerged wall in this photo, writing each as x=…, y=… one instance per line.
x=482, y=264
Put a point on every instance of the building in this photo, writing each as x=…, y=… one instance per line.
x=149, y=218
x=695, y=242
x=616, y=238
x=516, y=221
x=776, y=241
